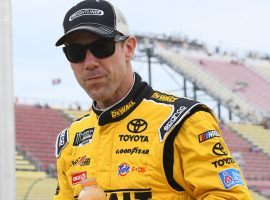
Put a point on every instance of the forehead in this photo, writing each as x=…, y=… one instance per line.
x=81, y=36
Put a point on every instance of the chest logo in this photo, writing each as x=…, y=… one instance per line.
x=137, y=125
x=78, y=177
x=219, y=150
x=81, y=161
x=134, y=138
x=124, y=109
x=83, y=137
x=123, y=169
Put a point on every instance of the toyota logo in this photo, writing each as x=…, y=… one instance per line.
x=137, y=125
x=219, y=150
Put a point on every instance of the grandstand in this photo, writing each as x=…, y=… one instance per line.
x=219, y=76
x=36, y=130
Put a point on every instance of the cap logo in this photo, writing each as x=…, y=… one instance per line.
x=86, y=11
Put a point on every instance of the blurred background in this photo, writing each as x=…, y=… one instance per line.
x=216, y=52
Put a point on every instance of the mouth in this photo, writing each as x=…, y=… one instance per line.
x=92, y=78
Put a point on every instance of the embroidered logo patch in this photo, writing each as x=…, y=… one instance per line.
x=78, y=177
x=81, y=161
x=208, y=135
x=123, y=169
x=61, y=142
x=83, y=137
x=230, y=178
x=137, y=126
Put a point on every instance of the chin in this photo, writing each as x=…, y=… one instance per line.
x=99, y=95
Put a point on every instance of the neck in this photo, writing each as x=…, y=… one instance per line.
x=120, y=94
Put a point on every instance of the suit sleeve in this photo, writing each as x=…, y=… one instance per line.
x=209, y=170
x=63, y=191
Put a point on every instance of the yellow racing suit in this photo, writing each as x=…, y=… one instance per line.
x=150, y=145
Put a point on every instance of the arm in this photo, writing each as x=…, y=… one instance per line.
x=209, y=171
x=63, y=190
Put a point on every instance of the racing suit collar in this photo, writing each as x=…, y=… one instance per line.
x=104, y=109
x=120, y=110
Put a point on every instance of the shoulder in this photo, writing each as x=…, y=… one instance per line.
x=159, y=97
x=182, y=109
x=177, y=102
x=61, y=142
x=83, y=117
x=68, y=134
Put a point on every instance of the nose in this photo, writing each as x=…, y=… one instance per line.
x=90, y=61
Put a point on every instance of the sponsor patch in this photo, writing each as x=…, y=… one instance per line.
x=84, y=137
x=135, y=150
x=81, y=161
x=230, y=178
x=61, y=142
x=122, y=110
x=134, y=138
x=123, y=169
x=208, y=135
x=164, y=97
x=137, y=125
x=86, y=11
x=78, y=177
x=173, y=119
x=134, y=193
x=181, y=108
x=219, y=150
x=138, y=169
x=223, y=161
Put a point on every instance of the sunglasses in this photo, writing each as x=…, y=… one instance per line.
x=102, y=48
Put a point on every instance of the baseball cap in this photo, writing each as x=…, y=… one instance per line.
x=97, y=16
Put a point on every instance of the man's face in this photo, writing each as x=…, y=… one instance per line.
x=103, y=79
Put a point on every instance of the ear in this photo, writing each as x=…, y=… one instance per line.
x=130, y=44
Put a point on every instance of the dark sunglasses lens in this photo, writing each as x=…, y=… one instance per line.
x=75, y=53
x=103, y=48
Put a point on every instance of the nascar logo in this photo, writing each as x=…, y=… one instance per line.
x=208, y=135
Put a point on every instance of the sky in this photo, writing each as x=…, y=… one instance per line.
x=237, y=25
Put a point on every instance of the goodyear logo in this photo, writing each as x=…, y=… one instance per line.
x=135, y=150
x=122, y=110
x=163, y=97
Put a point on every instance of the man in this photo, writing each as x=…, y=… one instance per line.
x=138, y=143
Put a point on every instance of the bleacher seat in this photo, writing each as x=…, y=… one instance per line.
x=255, y=162
x=34, y=186
x=255, y=134
x=262, y=67
x=74, y=114
x=192, y=70
x=36, y=132
x=257, y=196
x=23, y=164
x=239, y=78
